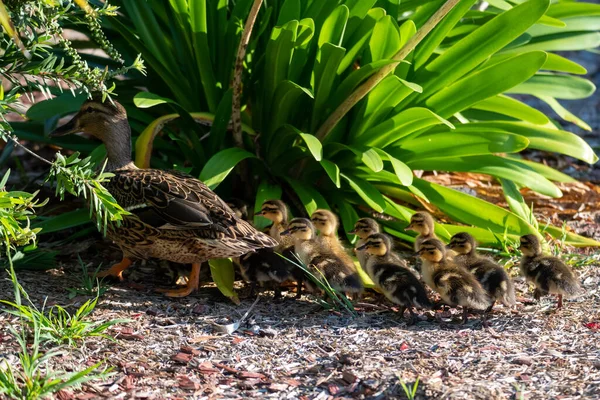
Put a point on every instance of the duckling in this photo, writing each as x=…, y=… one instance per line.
x=276, y=211
x=340, y=275
x=266, y=265
x=422, y=223
x=396, y=282
x=327, y=225
x=549, y=274
x=455, y=285
x=492, y=276
x=172, y=216
x=363, y=228
x=239, y=207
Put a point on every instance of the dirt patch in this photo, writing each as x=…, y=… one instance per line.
x=294, y=349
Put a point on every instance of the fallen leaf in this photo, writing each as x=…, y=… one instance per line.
x=404, y=346
x=189, y=350
x=186, y=383
x=182, y=358
x=349, y=377
x=251, y=375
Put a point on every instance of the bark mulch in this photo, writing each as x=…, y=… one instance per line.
x=296, y=350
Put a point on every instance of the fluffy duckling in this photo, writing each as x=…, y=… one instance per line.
x=327, y=225
x=492, y=276
x=396, y=282
x=422, y=223
x=239, y=207
x=340, y=275
x=277, y=212
x=455, y=285
x=266, y=265
x=363, y=228
x=549, y=274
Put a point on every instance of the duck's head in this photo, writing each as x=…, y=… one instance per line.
x=422, y=223
x=365, y=227
x=325, y=222
x=432, y=250
x=274, y=210
x=300, y=229
x=462, y=243
x=377, y=244
x=530, y=246
x=99, y=119
x=106, y=121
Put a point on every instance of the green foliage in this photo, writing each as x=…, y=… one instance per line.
x=16, y=210
x=31, y=379
x=78, y=177
x=408, y=391
x=89, y=284
x=445, y=108
x=57, y=326
x=338, y=301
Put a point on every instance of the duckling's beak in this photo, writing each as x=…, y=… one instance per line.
x=363, y=247
x=286, y=232
x=260, y=213
x=66, y=129
x=450, y=246
x=352, y=232
x=410, y=227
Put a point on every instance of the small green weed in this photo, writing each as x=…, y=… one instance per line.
x=32, y=378
x=339, y=300
x=89, y=284
x=58, y=326
x=409, y=392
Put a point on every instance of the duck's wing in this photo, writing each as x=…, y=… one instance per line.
x=177, y=201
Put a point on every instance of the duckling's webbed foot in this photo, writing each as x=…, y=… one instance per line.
x=489, y=309
x=277, y=291
x=253, y=289
x=537, y=294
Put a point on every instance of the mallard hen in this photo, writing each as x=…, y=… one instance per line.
x=174, y=216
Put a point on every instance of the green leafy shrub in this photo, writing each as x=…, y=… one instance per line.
x=447, y=106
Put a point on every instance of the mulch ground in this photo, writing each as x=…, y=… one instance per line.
x=296, y=350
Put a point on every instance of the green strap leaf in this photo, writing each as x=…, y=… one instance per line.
x=333, y=171
x=367, y=192
x=334, y=26
x=221, y=164
x=485, y=83
x=401, y=125
x=558, y=86
x=513, y=108
x=223, y=274
x=473, y=211
x=310, y=197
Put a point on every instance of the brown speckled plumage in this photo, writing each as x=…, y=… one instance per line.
x=174, y=216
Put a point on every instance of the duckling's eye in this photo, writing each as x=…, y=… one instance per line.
x=89, y=110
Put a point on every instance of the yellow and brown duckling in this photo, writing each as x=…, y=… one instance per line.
x=492, y=276
x=340, y=275
x=549, y=274
x=455, y=285
x=422, y=223
x=363, y=228
x=266, y=265
x=327, y=225
x=173, y=216
x=276, y=211
x=396, y=282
